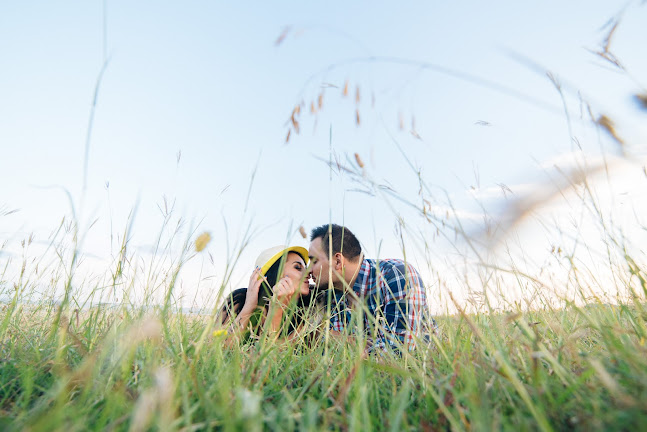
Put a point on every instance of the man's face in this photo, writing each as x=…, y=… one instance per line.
x=319, y=264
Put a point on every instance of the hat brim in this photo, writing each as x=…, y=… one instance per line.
x=303, y=252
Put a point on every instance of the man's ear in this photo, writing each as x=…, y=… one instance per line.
x=338, y=261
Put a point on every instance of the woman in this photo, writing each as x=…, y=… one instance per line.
x=277, y=298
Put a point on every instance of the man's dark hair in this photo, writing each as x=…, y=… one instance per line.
x=343, y=240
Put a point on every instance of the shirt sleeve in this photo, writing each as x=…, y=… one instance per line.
x=404, y=308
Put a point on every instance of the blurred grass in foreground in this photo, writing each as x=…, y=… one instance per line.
x=108, y=368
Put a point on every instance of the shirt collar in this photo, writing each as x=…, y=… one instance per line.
x=361, y=282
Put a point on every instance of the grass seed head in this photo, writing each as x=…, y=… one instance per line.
x=202, y=241
x=149, y=329
x=607, y=124
x=359, y=161
x=279, y=40
x=641, y=99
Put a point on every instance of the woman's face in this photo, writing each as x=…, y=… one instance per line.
x=295, y=269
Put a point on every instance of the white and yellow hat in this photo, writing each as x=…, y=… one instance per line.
x=269, y=256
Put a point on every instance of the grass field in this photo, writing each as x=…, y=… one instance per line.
x=70, y=362
x=111, y=368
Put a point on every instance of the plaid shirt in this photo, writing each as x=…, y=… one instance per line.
x=392, y=301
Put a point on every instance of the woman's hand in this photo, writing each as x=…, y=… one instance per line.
x=251, y=298
x=283, y=291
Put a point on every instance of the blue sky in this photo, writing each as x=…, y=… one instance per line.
x=196, y=98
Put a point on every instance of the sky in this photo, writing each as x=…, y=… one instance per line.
x=117, y=112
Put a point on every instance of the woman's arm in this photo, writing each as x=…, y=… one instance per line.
x=240, y=322
x=283, y=294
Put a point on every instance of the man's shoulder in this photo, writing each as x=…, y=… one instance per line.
x=383, y=262
x=393, y=269
x=386, y=264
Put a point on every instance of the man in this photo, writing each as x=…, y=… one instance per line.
x=389, y=293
